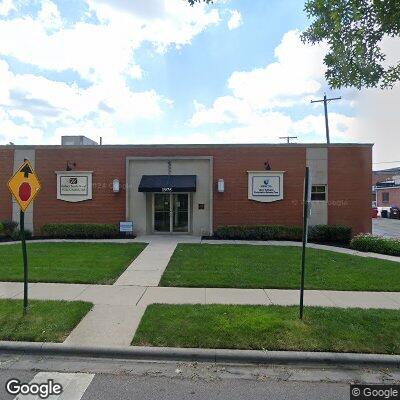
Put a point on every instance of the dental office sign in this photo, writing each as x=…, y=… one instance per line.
x=265, y=186
x=74, y=186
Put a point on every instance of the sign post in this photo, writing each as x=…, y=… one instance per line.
x=24, y=186
x=306, y=214
x=25, y=258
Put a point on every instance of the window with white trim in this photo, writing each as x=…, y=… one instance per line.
x=318, y=192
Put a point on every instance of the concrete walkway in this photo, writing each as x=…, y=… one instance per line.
x=148, y=267
x=118, y=309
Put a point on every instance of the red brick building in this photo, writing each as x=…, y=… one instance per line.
x=192, y=188
x=386, y=188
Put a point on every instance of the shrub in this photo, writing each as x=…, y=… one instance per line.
x=80, y=231
x=330, y=234
x=1, y=229
x=16, y=235
x=318, y=233
x=259, y=232
x=376, y=244
x=9, y=227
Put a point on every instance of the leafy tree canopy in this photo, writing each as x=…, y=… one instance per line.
x=354, y=30
x=191, y=2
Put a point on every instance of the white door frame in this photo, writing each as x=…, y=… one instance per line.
x=171, y=214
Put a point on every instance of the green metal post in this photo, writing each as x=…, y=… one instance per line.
x=25, y=258
x=305, y=235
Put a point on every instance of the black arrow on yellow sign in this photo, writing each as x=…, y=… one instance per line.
x=26, y=170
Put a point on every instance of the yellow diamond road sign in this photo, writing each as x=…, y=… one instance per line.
x=24, y=185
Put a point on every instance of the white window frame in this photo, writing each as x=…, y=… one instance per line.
x=325, y=192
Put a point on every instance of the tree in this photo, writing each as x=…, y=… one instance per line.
x=354, y=30
x=191, y=2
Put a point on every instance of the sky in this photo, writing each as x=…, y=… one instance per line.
x=160, y=71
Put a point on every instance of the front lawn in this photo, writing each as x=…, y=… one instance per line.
x=270, y=328
x=46, y=321
x=249, y=266
x=100, y=263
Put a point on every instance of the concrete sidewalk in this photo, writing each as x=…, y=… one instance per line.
x=148, y=267
x=118, y=309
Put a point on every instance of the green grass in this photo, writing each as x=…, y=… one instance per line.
x=270, y=328
x=46, y=321
x=248, y=266
x=100, y=263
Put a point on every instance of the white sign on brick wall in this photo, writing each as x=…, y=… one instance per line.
x=265, y=186
x=74, y=186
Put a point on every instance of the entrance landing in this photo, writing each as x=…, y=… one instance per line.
x=147, y=269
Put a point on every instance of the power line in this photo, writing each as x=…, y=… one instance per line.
x=386, y=162
x=288, y=138
x=325, y=100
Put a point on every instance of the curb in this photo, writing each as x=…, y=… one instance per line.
x=202, y=355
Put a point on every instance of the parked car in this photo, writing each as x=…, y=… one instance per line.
x=394, y=213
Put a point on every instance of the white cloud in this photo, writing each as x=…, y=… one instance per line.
x=227, y=109
x=296, y=74
x=147, y=9
x=15, y=133
x=105, y=51
x=235, y=20
x=41, y=102
x=101, y=53
x=49, y=15
x=6, y=6
x=257, y=109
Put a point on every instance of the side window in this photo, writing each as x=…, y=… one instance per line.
x=385, y=197
x=318, y=193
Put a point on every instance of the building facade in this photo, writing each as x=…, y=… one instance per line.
x=192, y=189
x=386, y=188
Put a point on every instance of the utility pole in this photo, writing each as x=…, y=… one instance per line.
x=288, y=138
x=325, y=100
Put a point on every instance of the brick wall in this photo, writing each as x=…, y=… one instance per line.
x=349, y=186
x=231, y=164
x=106, y=206
x=233, y=206
x=6, y=171
x=394, y=197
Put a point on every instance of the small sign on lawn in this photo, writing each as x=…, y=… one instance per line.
x=126, y=227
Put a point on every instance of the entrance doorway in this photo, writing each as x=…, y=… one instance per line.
x=171, y=212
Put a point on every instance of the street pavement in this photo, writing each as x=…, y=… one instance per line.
x=113, y=379
x=386, y=227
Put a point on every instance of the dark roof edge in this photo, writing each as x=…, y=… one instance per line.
x=168, y=146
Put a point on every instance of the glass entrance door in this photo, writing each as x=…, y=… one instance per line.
x=171, y=212
x=162, y=211
x=180, y=216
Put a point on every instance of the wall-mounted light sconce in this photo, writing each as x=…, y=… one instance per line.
x=267, y=166
x=70, y=165
x=221, y=186
x=115, y=185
